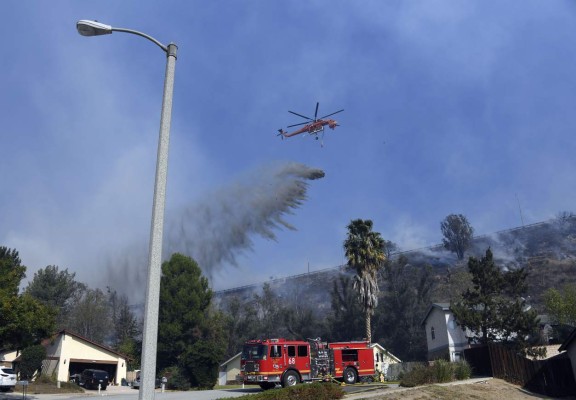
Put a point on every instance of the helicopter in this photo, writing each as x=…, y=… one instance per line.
x=312, y=126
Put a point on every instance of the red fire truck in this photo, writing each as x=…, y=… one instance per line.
x=287, y=362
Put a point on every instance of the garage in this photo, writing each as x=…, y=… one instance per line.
x=68, y=353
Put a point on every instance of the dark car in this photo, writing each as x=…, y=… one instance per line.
x=75, y=378
x=91, y=378
x=136, y=383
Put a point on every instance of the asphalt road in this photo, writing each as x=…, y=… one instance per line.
x=127, y=393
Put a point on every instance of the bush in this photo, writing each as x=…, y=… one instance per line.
x=462, y=370
x=312, y=391
x=443, y=371
x=176, y=379
x=440, y=372
x=31, y=361
x=419, y=375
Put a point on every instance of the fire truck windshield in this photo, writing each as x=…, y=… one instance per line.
x=254, y=352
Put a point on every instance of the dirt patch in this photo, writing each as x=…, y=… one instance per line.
x=489, y=389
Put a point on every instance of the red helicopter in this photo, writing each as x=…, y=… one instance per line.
x=312, y=126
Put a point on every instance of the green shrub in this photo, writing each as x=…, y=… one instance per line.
x=176, y=379
x=31, y=361
x=443, y=371
x=312, y=391
x=419, y=375
x=462, y=370
x=440, y=372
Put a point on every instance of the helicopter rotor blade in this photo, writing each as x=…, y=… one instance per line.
x=300, y=115
x=316, y=112
x=301, y=123
x=331, y=114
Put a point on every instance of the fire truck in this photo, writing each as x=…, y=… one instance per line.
x=272, y=362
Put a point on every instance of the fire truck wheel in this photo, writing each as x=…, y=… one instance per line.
x=290, y=379
x=350, y=376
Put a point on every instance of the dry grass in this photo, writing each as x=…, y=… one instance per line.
x=49, y=388
x=491, y=389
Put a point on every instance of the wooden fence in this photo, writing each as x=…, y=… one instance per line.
x=551, y=377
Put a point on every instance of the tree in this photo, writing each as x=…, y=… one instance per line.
x=126, y=329
x=90, y=315
x=241, y=323
x=494, y=308
x=24, y=321
x=55, y=289
x=269, y=311
x=406, y=295
x=364, y=250
x=561, y=304
x=11, y=272
x=457, y=233
x=346, y=320
x=31, y=361
x=191, y=335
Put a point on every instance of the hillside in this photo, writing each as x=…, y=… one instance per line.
x=546, y=249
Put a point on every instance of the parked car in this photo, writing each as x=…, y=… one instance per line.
x=91, y=378
x=75, y=378
x=136, y=382
x=7, y=379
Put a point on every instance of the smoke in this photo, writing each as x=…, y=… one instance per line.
x=221, y=226
x=218, y=228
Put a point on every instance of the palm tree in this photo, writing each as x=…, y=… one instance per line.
x=364, y=251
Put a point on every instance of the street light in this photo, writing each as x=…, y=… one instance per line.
x=150, y=339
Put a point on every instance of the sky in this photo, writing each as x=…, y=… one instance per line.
x=450, y=107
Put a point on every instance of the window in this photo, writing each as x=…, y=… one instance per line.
x=291, y=351
x=432, y=333
x=275, y=351
x=302, y=351
x=349, y=355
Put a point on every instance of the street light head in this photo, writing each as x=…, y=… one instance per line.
x=92, y=28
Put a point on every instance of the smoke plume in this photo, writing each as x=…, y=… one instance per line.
x=221, y=226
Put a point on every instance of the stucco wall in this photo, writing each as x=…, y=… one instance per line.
x=66, y=348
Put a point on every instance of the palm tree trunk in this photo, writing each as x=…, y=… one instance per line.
x=368, y=327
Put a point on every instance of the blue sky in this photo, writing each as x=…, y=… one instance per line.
x=450, y=107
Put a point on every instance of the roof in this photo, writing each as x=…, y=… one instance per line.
x=569, y=340
x=230, y=359
x=440, y=306
x=385, y=351
x=101, y=346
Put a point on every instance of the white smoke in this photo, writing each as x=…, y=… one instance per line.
x=218, y=228
x=221, y=226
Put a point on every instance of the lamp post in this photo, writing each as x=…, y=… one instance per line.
x=150, y=339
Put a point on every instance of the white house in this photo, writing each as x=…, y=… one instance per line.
x=445, y=338
x=7, y=358
x=229, y=370
x=68, y=353
x=383, y=358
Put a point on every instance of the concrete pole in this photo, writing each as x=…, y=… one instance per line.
x=151, y=311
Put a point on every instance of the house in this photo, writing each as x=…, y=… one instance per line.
x=68, y=353
x=383, y=358
x=445, y=338
x=7, y=358
x=229, y=370
x=569, y=345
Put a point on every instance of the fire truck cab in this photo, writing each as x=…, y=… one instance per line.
x=272, y=362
